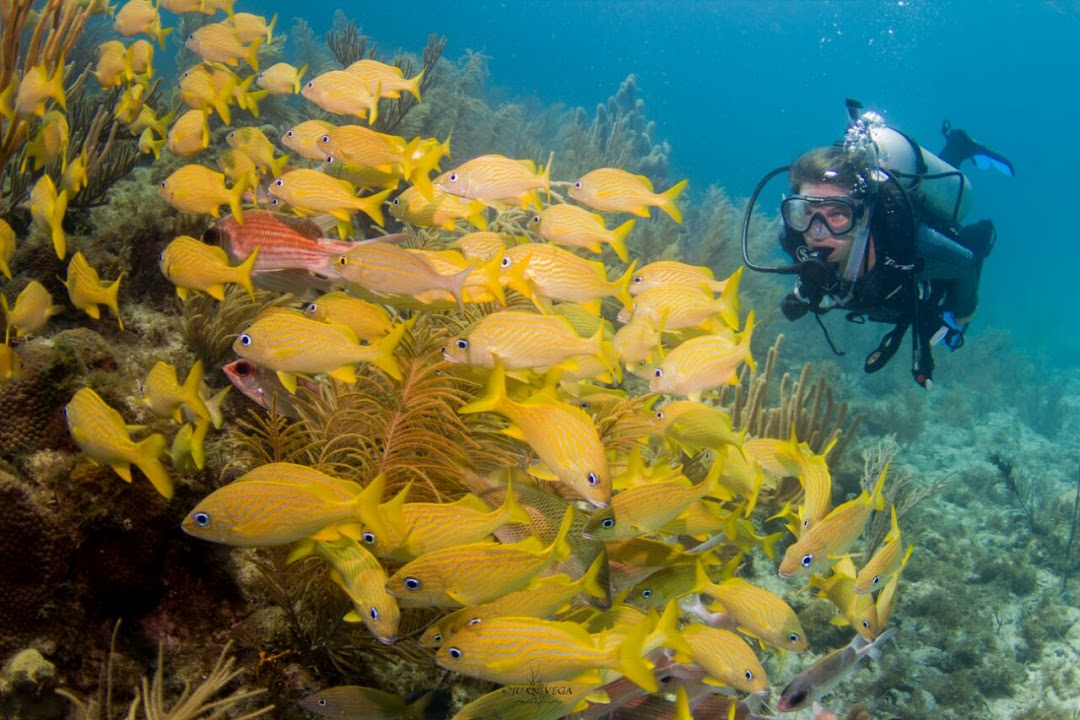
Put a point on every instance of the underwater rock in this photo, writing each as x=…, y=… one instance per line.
x=29, y=670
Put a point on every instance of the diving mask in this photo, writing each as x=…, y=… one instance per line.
x=837, y=214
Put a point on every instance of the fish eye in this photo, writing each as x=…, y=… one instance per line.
x=577, y=185
x=807, y=560
x=412, y=583
x=658, y=373
x=245, y=339
x=342, y=261
x=437, y=638
x=637, y=280
x=311, y=83
x=798, y=698
x=275, y=202
x=461, y=344
x=608, y=522
x=325, y=139
x=876, y=580
x=748, y=674
x=289, y=133
x=452, y=177
x=584, y=404
x=536, y=218
x=474, y=622
x=329, y=159
x=593, y=479
x=659, y=414
x=646, y=593
x=396, y=201
x=201, y=519
x=454, y=653
x=374, y=614
x=279, y=182
x=793, y=637
x=322, y=702
x=164, y=184
x=505, y=262
x=368, y=538
x=186, y=74
x=310, y=309
x=866, y=624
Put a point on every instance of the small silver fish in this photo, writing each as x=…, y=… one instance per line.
x=812, y=682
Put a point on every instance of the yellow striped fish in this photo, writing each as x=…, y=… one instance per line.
x=664, y=273
x=385, y=80
x=164, y=395
x=359, y=145
x=498, y=181
x=646, y=508
x=573, y=226
x=368, y=320
x=218, y=42
x=545, y=599
x=86, y=290
x=253, y=143
x=816, y=480
x=757, y=612
x=33, y=308
x=101, y=433
x=523, y=340
x=682, y=307
x=885, y=563
x=886, y=599
x=189, y=135
x=47, y=209
x=544, y=272
x=440, y=210
x=287, y=342
x=362, y=577
x=725, y=657
x=703, y=363
x=310, y=192
x=695, y=426
x=303, y=139
x=342, y=93
x=278, y=504
x=7, y=248
x=834, y=535
x=281, y=78
x=563, y=436
x=386, y=269
x=483, y=245
x=615, y=190
x=856, y=610
x=191, y=264
x=201, y=191
x=475, y=573
x=482, y=284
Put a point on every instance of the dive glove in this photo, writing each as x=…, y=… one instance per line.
x=951, y=333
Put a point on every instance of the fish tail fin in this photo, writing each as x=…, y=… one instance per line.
x=146, y=459
x=511, y=510
x=894, y=528
x=414, y=85
x=252, y=98
x=492, y=278
x=270, y=29
x=299, y=74
x=190, y=391
x=630, y=658
x=236, y=201
x=243, y=273
x=744, y=341
x=729, y=299
x=278, y=165
x=160, y=33
x=546, y=178
x=56, y=84
x=560, y=549
x=56, y=224
x=768, y=544
x=383, y=357
x=495, y=399
x=252, y=54
x=666, y=631
x=668, y=205
x=112, y=299
x=198, y=438
x=476, y=215
x=877, y=497
x=590, y=581
x=373, y=111
x=455, y=284
x=618, y=239
x=622, y=287
x=604, y=351
x=372, y=206
x=7, y=318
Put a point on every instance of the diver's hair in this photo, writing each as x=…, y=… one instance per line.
x=835, y=165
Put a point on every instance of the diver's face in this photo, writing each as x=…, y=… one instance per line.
x=818, y=235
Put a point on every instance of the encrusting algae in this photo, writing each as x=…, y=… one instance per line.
x=446, y=419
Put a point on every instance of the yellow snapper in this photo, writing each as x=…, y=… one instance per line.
x=885, y=563
x=191, y=264
x=281, y=79
x=385, y=80
x=368, y=320
x=239, y=168
x=140, y=17
x=303, y=139
x=856, y=610
x=33, y=308
x=703, y=363
x=483, y=284
x=685, y=306
x=637, y=345
x=278, y=504
x=7, y=248
x=440, y=210
x=310, y=192
x=544, y=272
x=886, y=599
x=476, y=573
x=695, y=426
x=139, y=59
x=342, y=93
x=615, y=190
x=671, y=272
x=573, y=226
x=359, y=145
x=250, y=27
x=497, y=180
x=386, y=269
x=36, y=87
x=563, y=436
x=482, y=245
x=164, y=394
x=354, y=702
x=725, y=657
x=198, y=92
x=757, y=612
x=362, y=577
x=49, y=142
x=112, y=64
x=187, y=451
x=199, y=190
x=47, y=208
x=646, y=508
x=75, y=178
x=834, y=534
x=252, y=142
x=816, y=480
x=219, y=42
x=287, y=342
x=545, y=599
x=523, y=340
x=101, y=433
x=86, y=290
x=10, y=365
x=189, y=134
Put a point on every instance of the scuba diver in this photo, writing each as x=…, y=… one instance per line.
x=873, y=227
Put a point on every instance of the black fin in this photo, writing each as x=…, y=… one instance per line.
x=960, y=147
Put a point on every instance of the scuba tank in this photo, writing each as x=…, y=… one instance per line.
x=939, y=192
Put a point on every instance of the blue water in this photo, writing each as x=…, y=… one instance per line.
x=738, y=88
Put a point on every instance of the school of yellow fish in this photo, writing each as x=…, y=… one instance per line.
x=589, y=566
